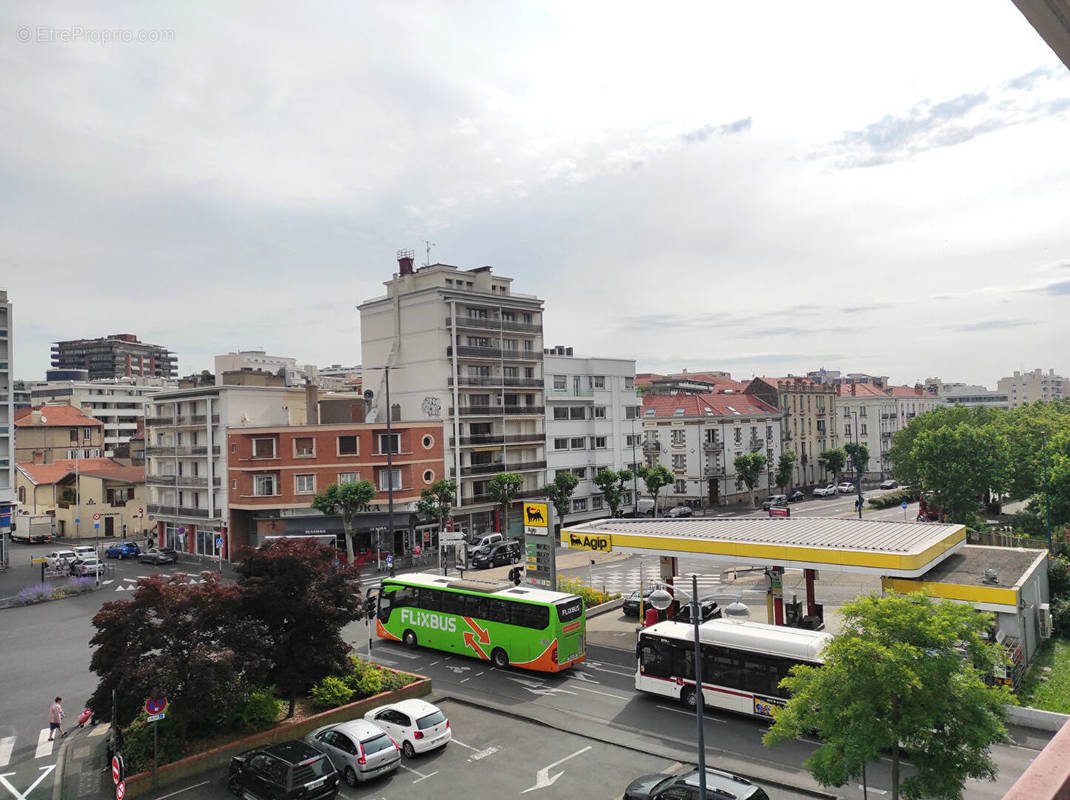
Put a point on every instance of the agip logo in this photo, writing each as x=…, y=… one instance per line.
x=535, y=515
x=600, y=542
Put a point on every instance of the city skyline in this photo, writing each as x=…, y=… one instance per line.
x=709, y=190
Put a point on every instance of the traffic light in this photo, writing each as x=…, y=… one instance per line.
x=515, y=575
x=369, y=607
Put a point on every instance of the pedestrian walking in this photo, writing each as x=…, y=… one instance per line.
x=55, y=719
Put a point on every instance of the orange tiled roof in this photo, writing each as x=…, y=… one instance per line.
x=44, y=474
x=860, y=390
x=908, y=391
x=54, y=416
x=696, y=405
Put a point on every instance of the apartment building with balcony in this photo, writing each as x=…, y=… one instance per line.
x=56, y=433
x=187, y=459
x=273, y=472
x=910, y=401
x=808, y=422
x=592, y=423
x=1033, y=386
x=7, y=424
x=698, y=436
x=119, y=404
x=120, y=355
x=460, y=347
x=866, y=414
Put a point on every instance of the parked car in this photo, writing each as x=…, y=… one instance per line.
x=631, y=602
x=774, y=500
x=159, y=555
x=499, y=553
x=90, y=565
x=846, y=487
x=708, y=609
x=685, y=785
x=680, y=511
x=796, y=496
x=889, y=484
x=358, y=749
x=417, y=724
x=60, y=559
x=824, y=491
x=482, y=543
x=122, y=550
x=284, y=771
x=84, y=550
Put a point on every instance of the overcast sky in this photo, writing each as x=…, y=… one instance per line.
x=756, y=187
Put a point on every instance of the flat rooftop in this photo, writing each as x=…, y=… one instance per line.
x=887, y=548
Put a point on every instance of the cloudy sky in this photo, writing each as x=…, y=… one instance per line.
x=755, y=187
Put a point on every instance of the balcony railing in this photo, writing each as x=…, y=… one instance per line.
x=515, y=410
x=179, y=511
x=180, y=451
x=477, y=411
x=488, y=498
x=651, y=447
x=572, y=391
x=494, y=469
x=160, y=420
x=497, y=324
x=160, y=480
x=496, y=381
x=498, y=438
x=472, y=351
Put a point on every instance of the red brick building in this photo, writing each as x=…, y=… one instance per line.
x=274, y=472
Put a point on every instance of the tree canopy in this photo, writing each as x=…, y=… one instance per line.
x=655, y=478
x=345, y=500
x=560, y=493
x=904, y=675
x=504, y=487
x=833, y=461
x=857, y=456
x=749, y=467
x=437, y=500
x=612, y=482
x=784, y=469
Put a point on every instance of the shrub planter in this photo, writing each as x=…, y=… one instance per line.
x=603, y=608
x=199, y=763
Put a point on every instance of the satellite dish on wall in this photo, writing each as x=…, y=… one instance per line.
x=44, y=419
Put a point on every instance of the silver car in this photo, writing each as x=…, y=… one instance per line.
x=359, y=749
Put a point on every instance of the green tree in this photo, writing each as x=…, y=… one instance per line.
x=833, y=461
x=504, y=487
x=1055, y=479
x=858, y=457
x=749, y=467
x=1027, y=431
x=655, y=478
x=560, y=493
x=437, y=501
x=612, y=482
x=904, y=465
x=784, y=469
x=304, y=602
x=345, y=500
x=959, y=465
x=904, y=675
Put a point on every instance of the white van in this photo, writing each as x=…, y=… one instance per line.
x=482, y=543
x=645, y=507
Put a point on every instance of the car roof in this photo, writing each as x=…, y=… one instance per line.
x=84, y=547
x=357, y=728
x=724, y=781
x=293, y=751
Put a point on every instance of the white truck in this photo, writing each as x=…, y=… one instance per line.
x=33, y=529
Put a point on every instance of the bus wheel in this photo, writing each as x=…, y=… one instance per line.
x=687, y=696
x=499, y=658
x=409, y=639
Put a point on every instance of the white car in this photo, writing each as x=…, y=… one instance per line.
x=846, y=488
x=358, y=749
x=824, y=491
x=90, y=565
x=60, y=559
x=417, y=724
x=84, y=551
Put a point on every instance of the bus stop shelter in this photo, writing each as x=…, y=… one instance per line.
x=877, y=547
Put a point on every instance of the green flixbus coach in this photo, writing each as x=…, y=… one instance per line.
x=505, y=624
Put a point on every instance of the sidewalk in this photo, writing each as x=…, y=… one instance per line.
x=82, y=771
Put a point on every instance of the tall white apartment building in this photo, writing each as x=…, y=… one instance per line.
x=7, y=424
x=119, y=403
x=186, y=457
x=592, y=423
x=1033, y=386
x=867, y=415
x=697, y=437
x=465, y=349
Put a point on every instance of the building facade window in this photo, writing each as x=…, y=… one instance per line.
x=681, y=486
x=578, y=442
x=304, y=484
x=389, y=479
x=389, y=443
x=579, y=504
x=598, y=412
x=677, y=437
x=206, y=543
x=679, y=461
x=598, y=442
x=265, y=485
x=560, y=383
x=347, y=445
x=597, y=503
x=348, y=477
x=304, y=447
x=561, y=443
x=561, y=412
x=264, y=448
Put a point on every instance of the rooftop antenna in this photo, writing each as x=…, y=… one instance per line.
x=428, y=245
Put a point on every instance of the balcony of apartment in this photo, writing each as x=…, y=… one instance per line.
x=756, y=443
x=180, y=451
x=195, y=420
x=502, y=466
x=495, y=353
x=180, y=511
x=650, y=447
x=709, y=446
x=497, y=381
x=570, y=392
x=156, y=421
x=480, y=439
x=528, y=494
x=494, y=324
x=517, y=410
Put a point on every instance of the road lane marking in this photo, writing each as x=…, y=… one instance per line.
x=543, y=777
x=45, y=771
x=44, y=744
x=691, y=714
x=180, y=791
x=414, y=772
x=604, y=694
x=7, y=744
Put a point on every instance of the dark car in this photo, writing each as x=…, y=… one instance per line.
x=631, y=603
x=159, y=555
x=121, y=550
x=708, y=609
x=719, y=785
x=284, y=771
x=779, y=500
x=889, y=484
x=680, y=511
x=504, y=552
x=796, y=496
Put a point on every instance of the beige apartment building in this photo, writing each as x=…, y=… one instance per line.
x=53, y=433
x=808, y=425
x=1033, y=386
x=463, y=349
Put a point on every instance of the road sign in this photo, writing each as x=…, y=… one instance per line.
x=117, y=769
x=903, y=505
x=141, y=511
x=96, y=516
x=390, y=561
x=779, y=512
x=182, y=530
x=219, y=541
x=155, y=705
x=76, y=520
x=447, y=537
x=38, y=560
x=120, y=790
x=155, y=717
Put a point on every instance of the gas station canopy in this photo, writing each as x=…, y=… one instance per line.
x=896, y=549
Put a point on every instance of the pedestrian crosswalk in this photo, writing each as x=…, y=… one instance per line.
x=629, y=578
x=39, y=743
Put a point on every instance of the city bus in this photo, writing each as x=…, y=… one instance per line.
x=742, y=662
x=521, y=626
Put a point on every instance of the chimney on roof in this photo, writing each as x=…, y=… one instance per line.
x=405, y=261
x=918, y=389
x=854, y=390
x=312, y=405
x=35, y=417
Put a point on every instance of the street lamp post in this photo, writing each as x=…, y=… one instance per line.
x=635, y=469
x=389, y=470
x=858, y=466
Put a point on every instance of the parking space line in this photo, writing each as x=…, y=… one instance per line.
x=604, y=694
x=415, y=772
x=180, y=791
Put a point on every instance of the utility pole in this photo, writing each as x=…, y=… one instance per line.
x=389, y=466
